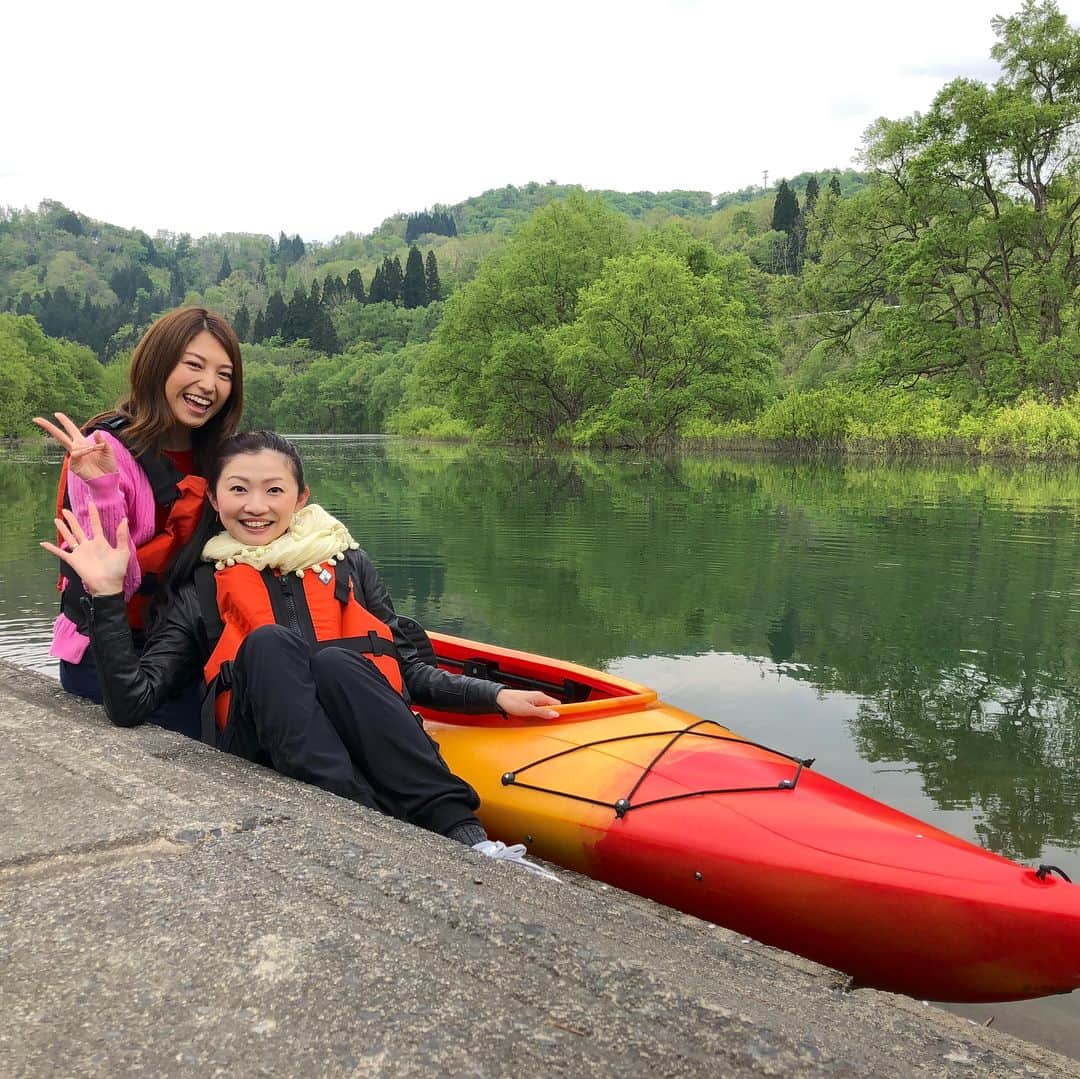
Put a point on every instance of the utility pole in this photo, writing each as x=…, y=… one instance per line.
x=765, y=180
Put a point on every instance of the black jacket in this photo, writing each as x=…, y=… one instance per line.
x=132, y=686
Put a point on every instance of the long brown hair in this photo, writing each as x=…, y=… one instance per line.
x=154, y=358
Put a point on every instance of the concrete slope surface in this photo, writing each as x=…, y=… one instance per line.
x=167, y=909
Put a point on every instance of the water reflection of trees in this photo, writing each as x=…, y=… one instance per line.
x=1011, y=750
x=942, y=596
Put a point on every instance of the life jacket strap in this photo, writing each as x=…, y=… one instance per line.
x=206, y=592
x=222, y=683
x=371, y=644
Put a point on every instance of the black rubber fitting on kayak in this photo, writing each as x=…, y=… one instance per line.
x=508, y=778
x=786, y=784
x=1046, y=870
x=622, y=807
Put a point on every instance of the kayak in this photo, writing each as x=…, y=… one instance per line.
x=632, y=791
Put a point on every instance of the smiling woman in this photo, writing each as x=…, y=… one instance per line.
x=307, y=667
x=198, y=387
x=144, y=462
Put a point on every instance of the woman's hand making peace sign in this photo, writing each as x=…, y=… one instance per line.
x=90, y=456
x=99, y=564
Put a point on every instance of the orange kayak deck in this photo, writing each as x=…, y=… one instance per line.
x=634, y=792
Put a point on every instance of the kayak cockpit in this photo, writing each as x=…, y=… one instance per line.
x=582, y=692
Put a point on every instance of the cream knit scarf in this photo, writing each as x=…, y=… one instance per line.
x=313, y=537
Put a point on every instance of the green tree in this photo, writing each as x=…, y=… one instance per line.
x=413, y=285
x=785, y=209
x=392, y=278
x=275, y=313
x=242, y=322
x=262, y=387
x=655, y=344
x=961, y=255
x=492, y=355
x=431, y=278
x=297, y=321
x=226, y=268
x=354, y=285
x=325, y=398
x=42, y=375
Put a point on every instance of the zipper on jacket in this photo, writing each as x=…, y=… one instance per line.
x=290, y=600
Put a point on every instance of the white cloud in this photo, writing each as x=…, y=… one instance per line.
x=328, y=117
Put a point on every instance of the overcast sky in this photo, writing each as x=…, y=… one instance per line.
x=322, y=117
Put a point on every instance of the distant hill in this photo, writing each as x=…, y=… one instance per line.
x=101, y=285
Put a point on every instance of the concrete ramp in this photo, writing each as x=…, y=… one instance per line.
x=167, y=909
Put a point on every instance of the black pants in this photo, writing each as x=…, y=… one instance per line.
x=330, y=718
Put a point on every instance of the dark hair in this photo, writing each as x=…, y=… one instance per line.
x=254, y=442
x=187, y=561
x=154, y=359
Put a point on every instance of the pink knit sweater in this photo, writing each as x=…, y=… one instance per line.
x=124, y=493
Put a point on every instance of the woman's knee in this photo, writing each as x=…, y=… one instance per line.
x=271, y=639
x=331, y=666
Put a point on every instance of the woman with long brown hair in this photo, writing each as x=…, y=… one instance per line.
x=144, y=461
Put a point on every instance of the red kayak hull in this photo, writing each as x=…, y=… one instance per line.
x=643, y=796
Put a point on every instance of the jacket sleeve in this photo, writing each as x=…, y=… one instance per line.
x=132, y=686
x=426, y=684
x=117, y=495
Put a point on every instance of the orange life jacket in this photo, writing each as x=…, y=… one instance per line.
x=321, y=608
x=184, y=495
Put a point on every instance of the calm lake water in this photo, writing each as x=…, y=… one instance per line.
x=915, y=629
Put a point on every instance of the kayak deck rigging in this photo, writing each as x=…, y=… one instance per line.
x=624, y=805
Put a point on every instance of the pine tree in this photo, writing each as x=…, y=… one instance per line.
x=177, y=288
x=314, y=296
x=355, y=286
x=329, y=295
x=297, y=321
x=322, y=334
x=258, y=330
x=377, y=292
x=242, y=322
x=785, y=209
x=812, y=192
x=226, y=268
x=431, y=278
x=834, y=185
x=392, y=278
x=413, y=285
x=275, y=313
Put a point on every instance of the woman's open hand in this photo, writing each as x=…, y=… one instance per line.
x=526, y=702
x=99, y=564
x=90, y=456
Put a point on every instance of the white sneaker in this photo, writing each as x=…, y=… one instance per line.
x=515, y=855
